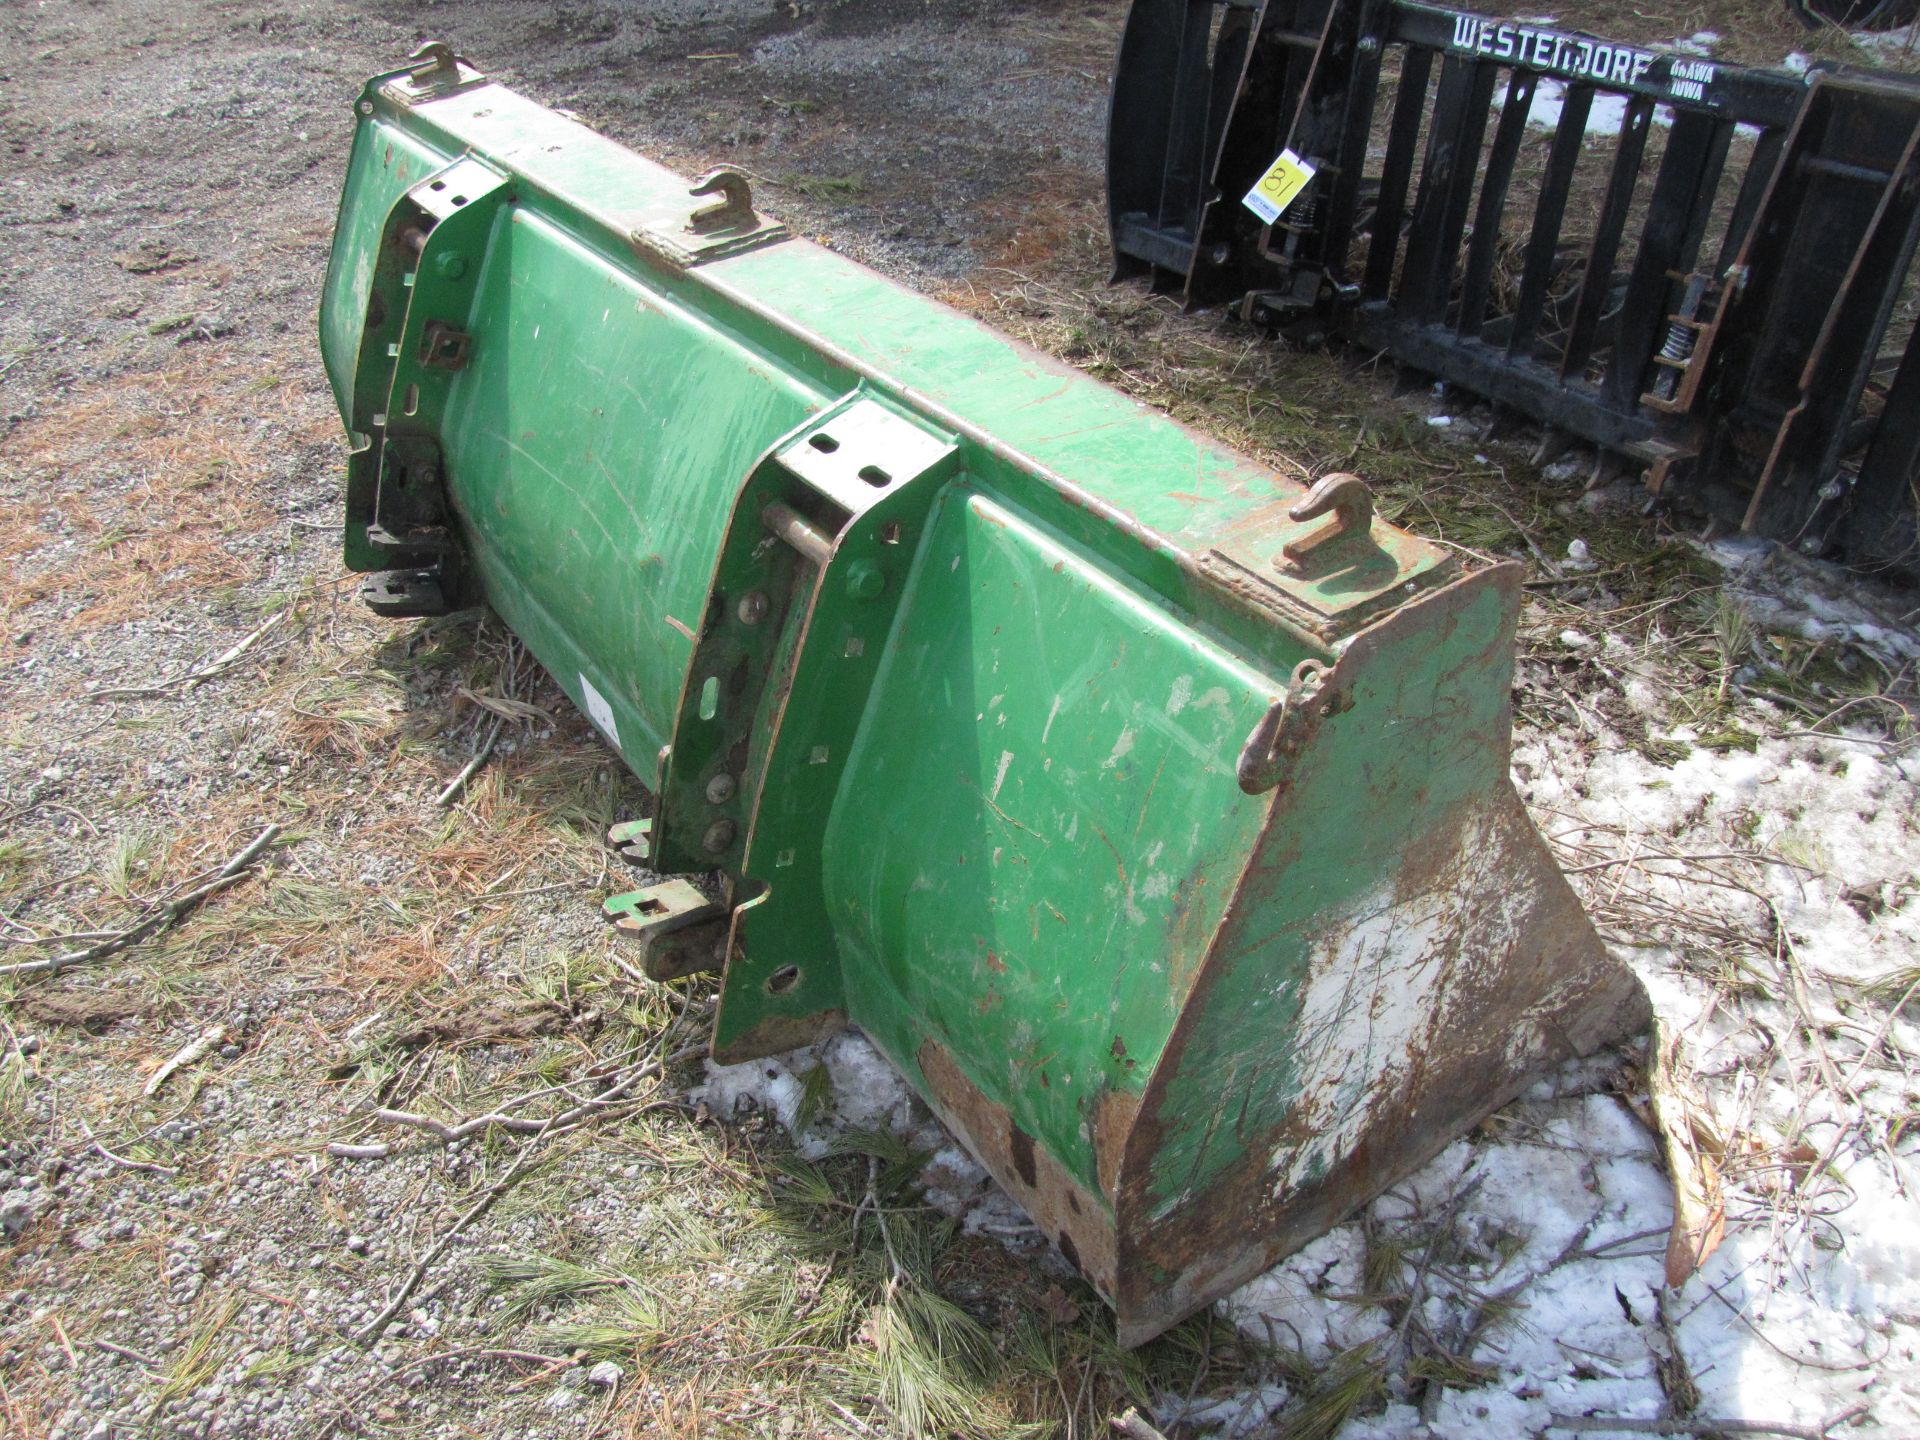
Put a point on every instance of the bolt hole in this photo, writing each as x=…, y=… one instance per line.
x=856, y=647
x=710, y=698
x=783, y=979
x=875, y=476
x=782, y=860
x=818, y=755
x=890, y=533
x=824, y=443
x=459, y=199
x=411, y=403
x=366, y=107
x=438, y=185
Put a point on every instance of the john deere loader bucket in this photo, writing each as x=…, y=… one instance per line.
x=1150, y=811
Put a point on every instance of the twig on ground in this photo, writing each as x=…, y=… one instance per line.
x=606, y=1098
x=169, y=914
x=1702, y=1426
x=565, y=1119
x=193, y=679
x=125, y=1353
x=1130, y=1424
x=374, y=1328
x=378, y=1151
x=34, y=797
x=191, y=1053
x=459, y=782
x=124, y=1163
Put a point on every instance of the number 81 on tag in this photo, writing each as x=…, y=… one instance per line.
x=1274, y=191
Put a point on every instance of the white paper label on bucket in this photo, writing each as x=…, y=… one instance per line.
x=599, y=711
x=1279, y=187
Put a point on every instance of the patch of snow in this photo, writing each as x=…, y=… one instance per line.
x=1889, y=42
x=1230, y=1416
x=1780, y=593
x=1295, y=1305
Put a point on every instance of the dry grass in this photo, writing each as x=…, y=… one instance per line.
x=145, y=486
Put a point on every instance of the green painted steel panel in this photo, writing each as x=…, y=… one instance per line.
x=1002, y=896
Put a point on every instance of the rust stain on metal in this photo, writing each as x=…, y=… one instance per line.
x=1073, y=1217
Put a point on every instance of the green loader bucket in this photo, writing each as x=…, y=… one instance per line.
x=1148, y=810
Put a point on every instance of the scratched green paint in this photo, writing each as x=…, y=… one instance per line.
x=1413, y=750
x=1062, y=825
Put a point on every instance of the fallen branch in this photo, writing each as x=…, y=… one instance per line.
x=459, y=782
x=169, y=914
x=1133, y=1427
x=127, y=1164
x=359, y=1152
x=125, y=1353
x=191, y=1053
x=1702, y=1426
x=192, y=679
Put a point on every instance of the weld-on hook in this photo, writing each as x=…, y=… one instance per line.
x=1351, y=502
x=735, y=208
x=434, y=63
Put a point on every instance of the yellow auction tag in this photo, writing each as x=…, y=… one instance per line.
x=1279, y=187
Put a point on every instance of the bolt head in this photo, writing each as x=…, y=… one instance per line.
x=720, y=789
x=753, y=607
x=718, y=837
x=451, y=265
x=865, y=580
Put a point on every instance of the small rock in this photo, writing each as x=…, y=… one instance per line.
x=16, y=1213
x=605, y=1373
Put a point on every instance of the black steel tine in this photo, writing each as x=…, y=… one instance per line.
x=1507, y=136
x=1180, y=192
x=1597, y=281
x=1881, y=521
x=1814, y=436
x=1143, y=93
x=1675, y=213
x=1344, y=195
x=1423, y=287
x=1457, y=195
x=1549, y=212
x=1705, y=197
x=1766, y=159
x=1409, y=103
